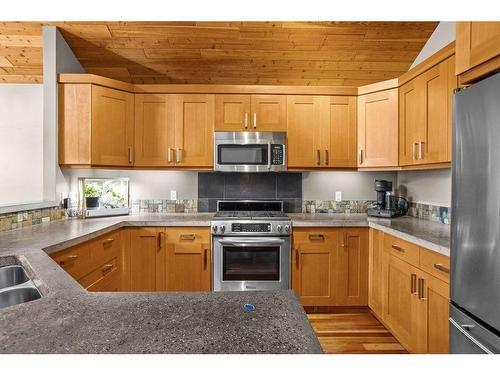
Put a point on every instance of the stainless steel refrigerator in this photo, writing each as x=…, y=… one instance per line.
x=475, y=230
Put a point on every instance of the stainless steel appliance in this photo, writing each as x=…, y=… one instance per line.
x=387, y=205
x=250, y=151
x=475, y=230
x=251, y=246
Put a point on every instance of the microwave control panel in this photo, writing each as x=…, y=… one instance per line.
x=277, y=154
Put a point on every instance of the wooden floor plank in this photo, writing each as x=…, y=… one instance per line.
x=353, y=333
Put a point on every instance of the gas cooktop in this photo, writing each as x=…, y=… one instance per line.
x=249, y=215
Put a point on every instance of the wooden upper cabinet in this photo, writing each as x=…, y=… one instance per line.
x=378, y=129
x=154, y=130
x=477, y=50
x=351, y=269
x=194, y=127
x=96, y=126
x=250, y=113
x=112, y=127
x=341, y=144
x=313, y=265
x=188, y=259
x=304, y=131
x=268, y=113
x=232, y=113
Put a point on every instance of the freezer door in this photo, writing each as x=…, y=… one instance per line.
x=467, y=336
x=475, y=245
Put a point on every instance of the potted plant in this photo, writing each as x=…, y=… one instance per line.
x=92, y=196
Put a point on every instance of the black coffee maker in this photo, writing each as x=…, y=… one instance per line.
x=388, y=205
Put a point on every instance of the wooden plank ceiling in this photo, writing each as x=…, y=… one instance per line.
x=270, y=53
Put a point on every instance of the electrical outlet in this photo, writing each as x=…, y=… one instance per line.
x=338, y=196
x=173, y=195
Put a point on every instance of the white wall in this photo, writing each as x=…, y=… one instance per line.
x=143, y=184
x=353, y=185
x=442, y=36
x=430, y=186
x=21, y=144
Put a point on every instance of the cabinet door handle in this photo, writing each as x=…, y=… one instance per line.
x=360, y=156
x=255, y=120
x=297, y=257
x=420, y=152
x=130, y=155
x=187, y=237
x=160, y=243
x=314, y=236
x=108, y=241
x=415, y=151
x=178, y=155
x=169, y=154
x=318, y=157
x=413, y=289
x=69, y=259
x=246, y=120
x=441, y=268
x=421, y=288
x=106, y=268
x=397, y=248
x=205, y=258
x=327, y=157
x=344, y=239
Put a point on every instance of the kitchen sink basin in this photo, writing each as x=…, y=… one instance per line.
x=12, y=275
x=19, y=294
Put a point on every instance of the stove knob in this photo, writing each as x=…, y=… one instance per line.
x=287, y=228
x=222, y=228
x=214, y=228
x=279, y=227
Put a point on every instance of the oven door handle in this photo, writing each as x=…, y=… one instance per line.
x=251, y=242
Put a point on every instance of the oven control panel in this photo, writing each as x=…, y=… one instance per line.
x=250, y=227
x=247, y=228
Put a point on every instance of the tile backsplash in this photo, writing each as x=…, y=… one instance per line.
x=32, y=217
x=334, y=207
x=430, y=212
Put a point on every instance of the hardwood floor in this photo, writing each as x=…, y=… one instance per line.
x=353, y=333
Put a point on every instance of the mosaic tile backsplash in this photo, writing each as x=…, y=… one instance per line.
x=334, y=207
x=429, y=212
x=27, y=218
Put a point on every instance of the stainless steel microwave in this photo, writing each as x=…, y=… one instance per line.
x=250, y=151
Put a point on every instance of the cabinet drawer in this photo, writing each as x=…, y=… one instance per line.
x=435, y=264
x=75, y=260
x=314, y=235
x=101, y=276
x=402, y=249
x=187, y=235
x=105, y=248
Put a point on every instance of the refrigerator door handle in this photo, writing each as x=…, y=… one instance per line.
x=463, y=330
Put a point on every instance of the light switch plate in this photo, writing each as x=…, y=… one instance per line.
x=173, y=195
x=338, y=196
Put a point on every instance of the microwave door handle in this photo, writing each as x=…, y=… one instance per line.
x=268, y=155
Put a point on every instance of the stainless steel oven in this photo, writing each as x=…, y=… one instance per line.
x=251, y=263
x=250, y=151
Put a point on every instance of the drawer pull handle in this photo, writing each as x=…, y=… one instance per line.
x=397, y=248
x=421, y=288
x=441, y=268
x=413, y=283
x=313, y=237
x=108, y=241
x=106, y=268
x=69, y=259
x=188, y=237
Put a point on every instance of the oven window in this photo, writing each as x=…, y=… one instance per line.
x=242, y=154
x=251, y=263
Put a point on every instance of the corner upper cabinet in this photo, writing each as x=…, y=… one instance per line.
x=477, y=50
x=96, y=126
x=378, y=129
x=250, y=113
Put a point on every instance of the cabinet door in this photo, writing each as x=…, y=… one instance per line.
x=434, y=299
x=477, y=43
x=313, y=266
x=147, y=260
x=194, y=128
x=232, y=113
x=303, y=131
x=378, y=129
x=154, y=130
x=268, y=113
x=401, y=311
x=341, y=118
x=112, y=127
x=188, y=259
x=412, y=120
x=377, y=273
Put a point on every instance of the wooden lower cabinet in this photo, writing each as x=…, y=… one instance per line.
x=409, y=292
x=330, y=266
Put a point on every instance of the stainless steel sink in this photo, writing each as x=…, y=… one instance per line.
x=19, y=294
x=12, y=275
